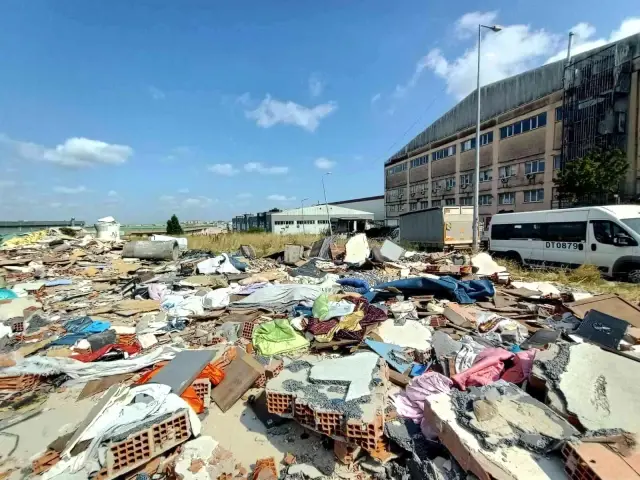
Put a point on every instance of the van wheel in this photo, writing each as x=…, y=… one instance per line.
x=514, y=257
x=634, y=275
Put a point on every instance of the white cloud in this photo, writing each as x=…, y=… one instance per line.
x=70, y=190
x=74, y=152
x=183, y=190
x=244, y=99
x=583, y=40
x=167, y=198
x=7, y=183
x=324, y=163
x=225, y=169
x=55, y=204
x=244, y=195
x=280, y=198
x=375, y=98
x=112, y=193
x=156, y=93
x=198, y=202
x=513, y=50
x=272, y=112
x=316, y=85
x=264, y=170
x=401, y=90
x=467, y=25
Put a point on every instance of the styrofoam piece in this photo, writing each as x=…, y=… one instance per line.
x=182, y=242
x=356, y=370
x=357, y=249
x=486, y=265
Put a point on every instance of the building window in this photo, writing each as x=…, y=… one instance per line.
x=326, y=222
x=397, y=169
x=507, y=198
x=507, y=171
x=284, y=222
x=401, y=207
x=436, y=203
x=535, y=166
x=391, y=208
x=417, y=162
x=486, y=176
x=444, y=153
x=485, y=200
x=450, y=201
x=558, y=114
x=307, y=222
x=465, y=179
x=449, y=183
x=534, y=196
x=485, y=139
x=466, y=200
x=468, y=145
x=531, y=123
x=413, y=206
x=424, y=204
x=557, y=162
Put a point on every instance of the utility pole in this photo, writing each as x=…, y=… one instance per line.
x=302, y=206
x=476, y=191
x=324, y=190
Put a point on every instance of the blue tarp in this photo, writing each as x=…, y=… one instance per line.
x=80, y=328
x=467, y=291
x=361, y=285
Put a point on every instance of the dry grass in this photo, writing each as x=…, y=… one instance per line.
x=263, y=243
x=586, y=277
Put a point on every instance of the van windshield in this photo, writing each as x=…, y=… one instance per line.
x=632, y=223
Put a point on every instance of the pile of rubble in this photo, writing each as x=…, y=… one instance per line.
x=148, y=360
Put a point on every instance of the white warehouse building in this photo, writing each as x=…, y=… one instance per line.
x=313, y=219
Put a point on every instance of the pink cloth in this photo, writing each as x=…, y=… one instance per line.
x=522, y=365
x=486, y=369
x=410, y=402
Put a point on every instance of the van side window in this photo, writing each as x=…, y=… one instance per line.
x=604, y=231
x=566, y=232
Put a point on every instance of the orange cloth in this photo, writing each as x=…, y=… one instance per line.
x=212, y=372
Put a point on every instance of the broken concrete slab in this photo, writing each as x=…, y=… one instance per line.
x=503, y=414
x=391, y=251
x=601, y=388
x=411, y=335
x=503, y=463
x=354, y=372
x=461, y=316
x=308, y=470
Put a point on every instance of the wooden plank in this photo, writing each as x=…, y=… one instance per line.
x=610, y=304
x=398, y=378
x=238, y=378
x=101, y=384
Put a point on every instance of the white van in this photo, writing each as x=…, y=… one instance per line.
x=607, y=237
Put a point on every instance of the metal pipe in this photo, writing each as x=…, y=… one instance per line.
x=571, y=34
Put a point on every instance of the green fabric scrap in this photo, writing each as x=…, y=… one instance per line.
x=321, y=307
x=276, y=337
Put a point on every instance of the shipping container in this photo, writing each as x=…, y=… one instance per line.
x=439, y=228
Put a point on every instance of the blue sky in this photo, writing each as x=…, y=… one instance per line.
x=210, y=109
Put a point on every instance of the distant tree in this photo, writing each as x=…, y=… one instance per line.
x=274, y=210
x=173, y=226
x=599, y=172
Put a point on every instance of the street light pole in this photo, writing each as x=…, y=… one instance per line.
x=476, y=193
x=324, y=190
x=302, y=206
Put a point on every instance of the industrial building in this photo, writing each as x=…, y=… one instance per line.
x=531, y=124
x=313, y=219
x=374, y=205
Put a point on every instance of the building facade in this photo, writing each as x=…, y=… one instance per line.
x=315, y=219
x=373, y=205
x=530, y=124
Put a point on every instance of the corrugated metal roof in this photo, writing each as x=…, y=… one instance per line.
x=500, y=97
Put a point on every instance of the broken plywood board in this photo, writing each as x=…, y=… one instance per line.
x=610, y=304
x=101, y=384
x=241, y=373
x=354, y=371
x=503, y=463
